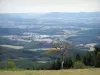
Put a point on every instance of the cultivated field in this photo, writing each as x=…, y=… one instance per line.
x=54, y=72
x=12, y=46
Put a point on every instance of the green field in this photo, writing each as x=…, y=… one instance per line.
x=54, y=72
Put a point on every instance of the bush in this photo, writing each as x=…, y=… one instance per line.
x=79, y=65
x=11, y=65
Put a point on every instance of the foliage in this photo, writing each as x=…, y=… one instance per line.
x=56, y=65
x=97, y=64
x=89, y=59
x=62, y=47
x=97, y=56
x=78, y=58
x=78, y=65
x=68, y=63
x=11, y=65
x=97, y=49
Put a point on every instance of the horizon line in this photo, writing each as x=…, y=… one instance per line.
x=51, y=12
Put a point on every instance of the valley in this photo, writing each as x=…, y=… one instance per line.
x=27, y=38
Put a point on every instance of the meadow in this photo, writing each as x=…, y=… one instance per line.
x=95, y=71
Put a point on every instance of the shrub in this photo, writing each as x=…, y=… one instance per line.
x=78, y=65
x=11, y=65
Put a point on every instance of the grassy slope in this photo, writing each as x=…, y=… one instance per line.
x=54, y=72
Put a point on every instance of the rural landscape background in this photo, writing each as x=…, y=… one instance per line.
x=53, y=41
x=26, y=39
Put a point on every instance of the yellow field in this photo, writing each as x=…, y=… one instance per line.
x=12, y=46
x=54, y=72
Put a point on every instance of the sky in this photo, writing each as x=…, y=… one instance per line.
x=44, y=6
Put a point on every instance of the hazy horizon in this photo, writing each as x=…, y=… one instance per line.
x=46, y=6
x=45, y=12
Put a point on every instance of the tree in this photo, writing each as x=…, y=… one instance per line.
x=88, y=59
x=78, y=58
x=97, y=49
x=96, y=55
x=68, y=63
x=97, y=60
x=62, y=47
x=56, y=64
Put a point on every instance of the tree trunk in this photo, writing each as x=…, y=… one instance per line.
x=62, y=62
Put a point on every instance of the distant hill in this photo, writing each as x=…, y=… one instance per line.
x=71, y=15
